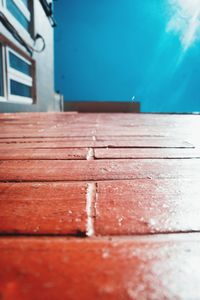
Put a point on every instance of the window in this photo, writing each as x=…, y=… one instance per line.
x=18, y=71
x=18, y=76
x=19, y=64
x=19, y=14
x=1, y=73
x=25, y=2
x=20, y=89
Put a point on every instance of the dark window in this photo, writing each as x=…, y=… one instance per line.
x=17, y=13
x=19, y=64
x=20, y=89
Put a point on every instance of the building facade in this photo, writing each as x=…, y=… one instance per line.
x=27, y=56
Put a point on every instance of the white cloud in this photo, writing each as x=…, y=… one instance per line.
x=185, y=21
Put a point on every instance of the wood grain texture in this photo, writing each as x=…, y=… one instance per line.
x=163, y=267
x=94, y=170
x=135, y=153
x=59, y=125
x=43, y=154
x=147, y=206
x=57, y=179
x=43, y=208
x=44, y=140
x=75, y=142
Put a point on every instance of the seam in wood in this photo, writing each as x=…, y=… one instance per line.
x=90, y=154
x=90, y=202
x=95, y=202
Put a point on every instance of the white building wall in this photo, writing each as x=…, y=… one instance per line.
x=45, y=99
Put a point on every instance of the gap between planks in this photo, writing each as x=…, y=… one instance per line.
x=90, y=154
x=91, y=198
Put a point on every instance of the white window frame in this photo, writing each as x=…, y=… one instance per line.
x=27, y=14
x=14, y=71
x=10, y=73
x=13, y=74
x=3, y=98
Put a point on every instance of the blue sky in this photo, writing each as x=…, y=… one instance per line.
x=116, y=49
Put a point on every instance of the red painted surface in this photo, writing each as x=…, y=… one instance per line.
x=136, y=153
x=74, y=142
x=137, y=268
x=147, y=206
x=43, y=208
x=44, y=154
x=94, y=170
x=58, y=179
x=43, y=140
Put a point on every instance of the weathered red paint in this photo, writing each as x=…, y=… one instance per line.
x=43, y=208
x=43, y=140
x=76, y=142
x=44, y=154
x=115, y=192
x=57, y=170
x=147, y=206
x=162, y=267
x=135, y=153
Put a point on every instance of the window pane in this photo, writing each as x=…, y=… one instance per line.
x=20, y=89
x=1, y=73
x=16, y=12
x=19, y=64
x=25, y=3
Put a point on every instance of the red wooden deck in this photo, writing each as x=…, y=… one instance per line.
x=99, y=206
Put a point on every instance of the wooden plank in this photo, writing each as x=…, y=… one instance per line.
x=44, y=140
x=43, y=208
x=135, y=153
x=128, y=197
x=68, y=131
x=42, y=133
x=183, y=124
x=162, y=267
x=76, y=143
x=60, y=124
x=50, y=145
x=48, y=154
x=147, y=206
x=54, y=170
